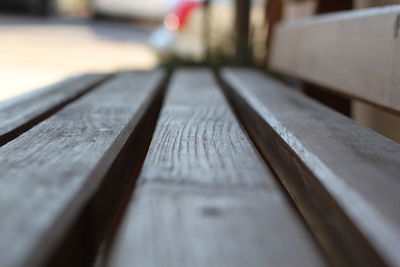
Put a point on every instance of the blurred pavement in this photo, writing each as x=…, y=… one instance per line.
x=35, y=52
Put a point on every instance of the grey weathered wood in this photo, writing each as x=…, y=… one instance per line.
x=355, y=53
x=21, y=113
x=205, y=197
x=50, y=172
x=344, y=178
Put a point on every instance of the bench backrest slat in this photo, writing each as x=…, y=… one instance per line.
x=49, y=173
x=343, y=177
x=355, y=53
x=22, y=112
x=205, y=197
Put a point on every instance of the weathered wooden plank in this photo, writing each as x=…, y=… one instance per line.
x=197, y=138
x=21, y=113
x=343, y=177
x=49, y=173
x=355, y=53
x=371, y=3
x=205, y=198
x=378, y=120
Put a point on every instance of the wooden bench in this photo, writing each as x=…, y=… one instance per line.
x=233, y=169
x=344, y=178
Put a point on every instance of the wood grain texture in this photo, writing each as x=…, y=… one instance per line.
x=205, y=198
x=49, y=173
x=344, y=178
x=356, y=53
x=197, y=138
x=21, y=113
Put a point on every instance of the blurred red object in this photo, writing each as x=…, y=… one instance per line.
x=181, y=14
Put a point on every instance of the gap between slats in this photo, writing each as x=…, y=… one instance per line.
x=337, y=250
x=129, y=240
x=225, y=90
x=89, y=237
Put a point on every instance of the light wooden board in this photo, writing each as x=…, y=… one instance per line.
x=344, y=178
x=205, y=197
x=49, y=173
x=371, y=3
x=356, y=53
x=21, y=113
x=379, y=120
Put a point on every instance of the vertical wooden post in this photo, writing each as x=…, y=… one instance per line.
x=274, y=13
x=206, y=31
x=242, y=30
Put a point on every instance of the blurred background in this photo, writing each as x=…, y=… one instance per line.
x=44, y=41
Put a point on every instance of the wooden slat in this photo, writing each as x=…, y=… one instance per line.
x=355, y=53
x=21, y=113
x=49, y=173
x=205, y=197
x=343, y=177
x=378, y=120
x=371, y=3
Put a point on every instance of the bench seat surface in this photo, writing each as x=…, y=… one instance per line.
x=205, y=197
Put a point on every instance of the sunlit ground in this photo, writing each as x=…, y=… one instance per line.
x=36, y=52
